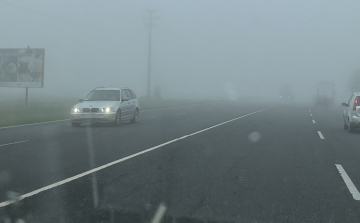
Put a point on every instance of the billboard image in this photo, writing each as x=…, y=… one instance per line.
x=22, y=67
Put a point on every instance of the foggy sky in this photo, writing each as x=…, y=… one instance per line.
x=201, y=48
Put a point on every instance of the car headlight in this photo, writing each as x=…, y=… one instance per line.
x=106, y=110
x=77, y=110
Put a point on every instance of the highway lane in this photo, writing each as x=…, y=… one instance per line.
x=287, y=176
x=342, y=145
x=271, y=166
x=56, y=151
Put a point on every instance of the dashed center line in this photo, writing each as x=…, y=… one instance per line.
x=321, y=135
x=350, y=185
x=313, y=121
x=7, y=144
x=310, y=114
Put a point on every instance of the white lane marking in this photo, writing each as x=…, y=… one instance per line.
x=159, y=214
x=5, y=203
x=313, y=121
x=353, y=190
x=38, y=123
x=310, y=114
x=321, y=135
x=12, y=143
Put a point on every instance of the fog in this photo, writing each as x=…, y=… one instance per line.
x=200, y=49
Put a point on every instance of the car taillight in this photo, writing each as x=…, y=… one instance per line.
x=355, y=103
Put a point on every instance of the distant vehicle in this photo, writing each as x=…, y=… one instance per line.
x=351, y=113
x=285, y=94
x=106, y=105
x=325, y=93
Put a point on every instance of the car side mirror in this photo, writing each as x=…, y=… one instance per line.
x=81, y=100
x=125, y=99
x=345, y=104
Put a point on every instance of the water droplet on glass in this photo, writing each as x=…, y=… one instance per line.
x=254, y=136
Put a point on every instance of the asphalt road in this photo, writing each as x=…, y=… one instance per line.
x=220, y=162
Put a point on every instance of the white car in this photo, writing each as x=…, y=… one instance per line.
x=106, y=105
x=351, y=113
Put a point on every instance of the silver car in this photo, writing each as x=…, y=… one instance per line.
x=106, y=105
x=352, y=112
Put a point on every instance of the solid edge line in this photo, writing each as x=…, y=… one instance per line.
x=350, y=185
x=12, y=143
x=180, y=114
x=320, y=135
x=37, y=123
x=5, y=203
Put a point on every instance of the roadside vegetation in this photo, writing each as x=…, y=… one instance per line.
x=16, y=113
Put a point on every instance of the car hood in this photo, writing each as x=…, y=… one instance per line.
x=97, y=104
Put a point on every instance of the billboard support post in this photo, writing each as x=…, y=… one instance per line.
x=26, y=97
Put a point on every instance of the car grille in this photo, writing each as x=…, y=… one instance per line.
x=94, y=110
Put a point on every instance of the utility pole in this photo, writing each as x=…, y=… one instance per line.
x=150, y=24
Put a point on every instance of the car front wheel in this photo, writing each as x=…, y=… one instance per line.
x=136, y=116
x=117, y=120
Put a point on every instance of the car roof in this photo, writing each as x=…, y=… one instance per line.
x=109, y=88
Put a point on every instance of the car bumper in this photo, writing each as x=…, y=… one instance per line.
x=355, y=121
x=93, y=117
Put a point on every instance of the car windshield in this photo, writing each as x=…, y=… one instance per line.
x=103, y=95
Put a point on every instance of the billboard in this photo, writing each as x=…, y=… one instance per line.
x=22, y=67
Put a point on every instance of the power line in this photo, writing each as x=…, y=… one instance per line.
x=51, y=16
x=31, y=10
